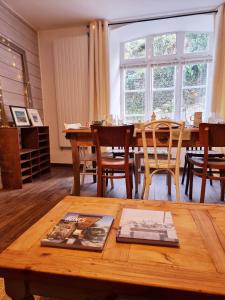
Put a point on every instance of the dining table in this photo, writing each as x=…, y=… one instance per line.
x=83, y=138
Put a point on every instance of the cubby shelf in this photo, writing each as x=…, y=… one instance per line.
x=21, y=154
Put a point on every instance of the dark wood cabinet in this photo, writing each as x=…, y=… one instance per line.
x=24, y=155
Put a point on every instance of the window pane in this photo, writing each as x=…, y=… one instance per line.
x=193, y=100
x=163, y=77
x=163, y=104
x=134, y=103
x=134, y=49
x=194, y=74
x=164, y=44
x=134, y=119
x=135, y=79
x=196, y=42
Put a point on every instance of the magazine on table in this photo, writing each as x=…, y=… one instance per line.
x=147, y=227
x=79, y=231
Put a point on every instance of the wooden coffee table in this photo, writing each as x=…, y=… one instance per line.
x=196, y=269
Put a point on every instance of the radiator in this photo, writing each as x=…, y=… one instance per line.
x=71, y=82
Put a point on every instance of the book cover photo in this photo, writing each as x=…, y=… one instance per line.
x=79, y=231
x=147, y=227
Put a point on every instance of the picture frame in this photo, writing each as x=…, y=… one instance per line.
x=34, y=117
x=19, y=115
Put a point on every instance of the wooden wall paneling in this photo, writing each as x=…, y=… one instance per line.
x=15, y=30
x=33, y=59
x=36, y=92
x=34, y=70
x=7, y=56
x=16, y=99
x=17, y=38
x=12, y=86
x=37, y=103
x=35, y=81
x=12, y=19
x=11, y=72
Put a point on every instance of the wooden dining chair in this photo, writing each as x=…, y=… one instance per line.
x=163, y=132
x=206, y=167
x=195, y=152
x=139, y=167
x=110, y=167
x=88, y=161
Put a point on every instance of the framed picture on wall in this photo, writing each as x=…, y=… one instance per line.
x=19, y=115
x=34, y=117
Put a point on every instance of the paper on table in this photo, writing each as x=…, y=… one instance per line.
x=185, y=137
x=72, y=126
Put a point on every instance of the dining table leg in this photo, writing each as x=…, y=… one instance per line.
x=76, y=167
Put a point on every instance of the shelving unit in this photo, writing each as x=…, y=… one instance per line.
x=24, y=155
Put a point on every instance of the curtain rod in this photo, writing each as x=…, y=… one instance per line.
x=164, y=17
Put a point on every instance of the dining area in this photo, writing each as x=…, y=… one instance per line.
x=112, y=150
x=147, y=150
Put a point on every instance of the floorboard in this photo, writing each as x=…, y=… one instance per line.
x=19, y=209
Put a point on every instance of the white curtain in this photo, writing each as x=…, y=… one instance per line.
x=218, y=84
x=98, y=70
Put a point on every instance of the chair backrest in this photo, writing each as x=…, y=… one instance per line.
x=166, y=131
x=212, y=135
x=113, y=136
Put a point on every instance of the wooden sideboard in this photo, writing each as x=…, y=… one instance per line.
x=24, y=155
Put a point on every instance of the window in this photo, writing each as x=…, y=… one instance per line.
x=135, y=94
x=166, y=73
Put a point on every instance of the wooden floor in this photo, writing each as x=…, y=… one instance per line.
x=19, y=209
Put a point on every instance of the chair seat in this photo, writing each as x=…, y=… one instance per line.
x=162, y=164
x=110, y=162
x=200, y=153
x=216, y=163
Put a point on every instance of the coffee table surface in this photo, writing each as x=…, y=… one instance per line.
x=198, y=265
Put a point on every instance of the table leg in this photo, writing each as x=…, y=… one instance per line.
x=76, y=167
x=17, y=290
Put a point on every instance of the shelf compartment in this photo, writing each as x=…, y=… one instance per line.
x=24, y=177
x=45, y=161
x=24, y=161
x=45, y=168
x=44, y=140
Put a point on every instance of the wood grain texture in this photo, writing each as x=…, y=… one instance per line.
x=188, y=268
x=14, y=29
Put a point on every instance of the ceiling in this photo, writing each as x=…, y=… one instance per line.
x=47, y=14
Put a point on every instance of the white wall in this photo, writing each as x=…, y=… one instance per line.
x=46, y=40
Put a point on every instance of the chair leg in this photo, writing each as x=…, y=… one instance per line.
x=169, y=182
x=146, y=190
x=111, y=181
x=177, y=186
x=136, y=173
x=202, y=196
x=83, y=171
x=211, y=173
x=128, y=184
x=143, y=187
x=188, y=177
x=222, y=186
x=100, y=184
x=190, y=181
x=184, y=169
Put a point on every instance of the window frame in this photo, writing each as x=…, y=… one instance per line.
x=179, y=59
